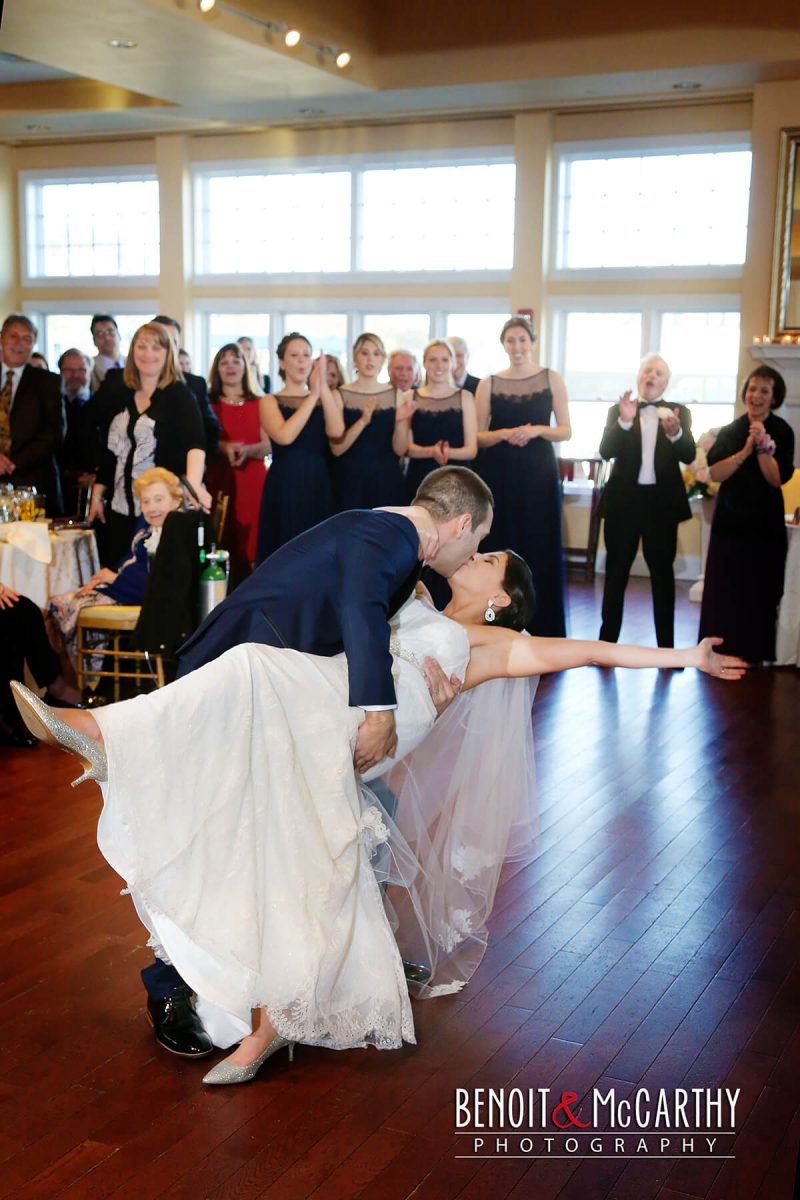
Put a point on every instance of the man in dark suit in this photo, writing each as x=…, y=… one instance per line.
x=333, y=588
x=645, y=498
x=76, y=457
x=461, y=375
x=31, y=415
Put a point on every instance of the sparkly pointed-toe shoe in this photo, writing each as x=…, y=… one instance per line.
x=227, y=1072
x=43, y=723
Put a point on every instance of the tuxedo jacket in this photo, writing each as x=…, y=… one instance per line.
x=104, y=405
x=625, y=447
x=470, y=383
x=37, y=431
x=333, y=588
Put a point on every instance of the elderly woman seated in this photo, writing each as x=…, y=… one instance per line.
x=159, y=493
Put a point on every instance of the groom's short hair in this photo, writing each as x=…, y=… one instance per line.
x=450, y=491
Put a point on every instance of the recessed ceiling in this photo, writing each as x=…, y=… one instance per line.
x=415, y=59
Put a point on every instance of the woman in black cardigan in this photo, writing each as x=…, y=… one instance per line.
x=153, y=421
x=743, y=586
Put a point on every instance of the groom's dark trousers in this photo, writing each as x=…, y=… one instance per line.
x=333, y=588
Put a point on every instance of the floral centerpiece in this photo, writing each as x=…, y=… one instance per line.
x=697, y=476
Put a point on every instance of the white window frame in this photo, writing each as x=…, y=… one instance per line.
x=356, y=164
x=353, y=308
x=144, y=173
x=652, y=307
x=40, y=310
x=566, y=152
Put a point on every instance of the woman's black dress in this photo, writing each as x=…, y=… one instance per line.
x=747, y=551
x=527, y=495
x=297, y=491
x=369, y=475
x=435, y=420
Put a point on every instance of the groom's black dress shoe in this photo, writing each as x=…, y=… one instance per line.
x=416, y=972
x=177, y=1026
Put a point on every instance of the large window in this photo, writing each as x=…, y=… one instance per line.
x=229, y=327
x=437, y=218
x=366, y=218
x=64, y=331
x=599, y=353
x=683, y=209
x=90, y=227
x=273, y=224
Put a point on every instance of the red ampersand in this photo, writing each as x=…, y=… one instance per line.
x=567, y=1100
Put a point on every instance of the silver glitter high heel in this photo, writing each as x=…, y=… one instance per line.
x=228, y=1072
x=43, y=723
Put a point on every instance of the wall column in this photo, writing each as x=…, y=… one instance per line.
x=533, y=135
x=9, y=224
x=173, y=165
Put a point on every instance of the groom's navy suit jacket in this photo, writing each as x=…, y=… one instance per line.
x=332, y=588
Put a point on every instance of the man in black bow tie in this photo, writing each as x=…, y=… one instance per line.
x=645, y=498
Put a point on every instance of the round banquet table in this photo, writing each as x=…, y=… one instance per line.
x=74, y=560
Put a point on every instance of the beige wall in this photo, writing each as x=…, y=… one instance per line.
x=529, y=136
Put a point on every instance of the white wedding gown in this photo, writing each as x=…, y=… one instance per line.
x=235, y=816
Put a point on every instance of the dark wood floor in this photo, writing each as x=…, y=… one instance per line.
x=653, y=942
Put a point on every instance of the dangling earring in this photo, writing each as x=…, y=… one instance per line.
x=490, y=615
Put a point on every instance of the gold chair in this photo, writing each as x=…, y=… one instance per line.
x=791, y=494
x=118, y=622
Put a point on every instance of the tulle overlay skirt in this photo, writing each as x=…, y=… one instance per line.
x=271, y=875
x=234, y=815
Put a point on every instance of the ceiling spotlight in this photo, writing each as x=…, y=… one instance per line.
x=343, y=59
x=122, y=44
x=292, y=37
x=206, y=5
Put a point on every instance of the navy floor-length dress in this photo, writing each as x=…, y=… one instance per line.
x=435, y=420
x=369, y=474
x=297, y=491
x=527, y=493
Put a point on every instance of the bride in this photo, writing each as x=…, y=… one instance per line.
x=254, y=852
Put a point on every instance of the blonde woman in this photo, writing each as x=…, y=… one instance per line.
x=367, y=471
x=152, y=421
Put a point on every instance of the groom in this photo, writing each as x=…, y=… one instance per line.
x=333, y=588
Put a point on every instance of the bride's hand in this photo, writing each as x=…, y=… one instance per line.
x=722, y=666
x=443, y=690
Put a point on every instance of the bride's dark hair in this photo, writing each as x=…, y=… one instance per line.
x=518, y=583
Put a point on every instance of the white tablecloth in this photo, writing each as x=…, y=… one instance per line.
x=788, y=641
x=74, y=561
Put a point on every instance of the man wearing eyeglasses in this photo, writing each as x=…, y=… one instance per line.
x=31, y=415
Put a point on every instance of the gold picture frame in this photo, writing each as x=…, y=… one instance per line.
x=785, y=300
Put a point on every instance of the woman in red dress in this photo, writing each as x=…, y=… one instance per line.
x=239, y=470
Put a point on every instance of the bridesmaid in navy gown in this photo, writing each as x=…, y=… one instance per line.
x=298, y=421
x=516, y=436
x=367, y=470
x=444, y=427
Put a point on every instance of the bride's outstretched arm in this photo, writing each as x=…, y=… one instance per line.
x=505, y=654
